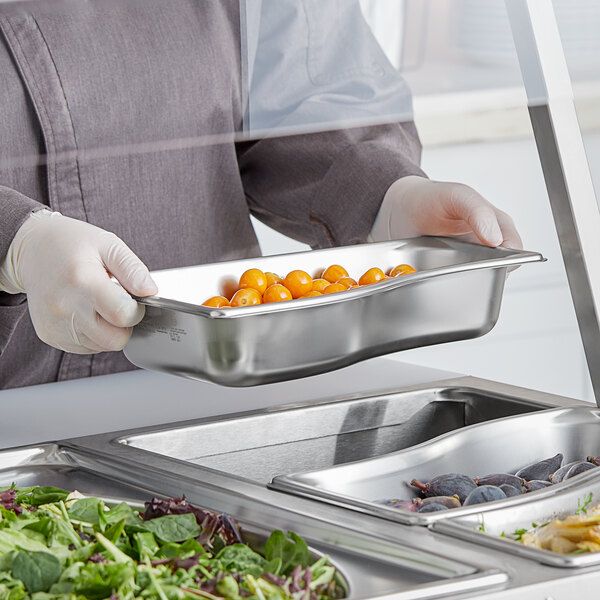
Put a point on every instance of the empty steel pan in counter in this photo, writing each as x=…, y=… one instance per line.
x=501, y=446
x=319, y=434
x=455, y=294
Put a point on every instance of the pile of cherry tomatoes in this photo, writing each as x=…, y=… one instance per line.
x=256, y=287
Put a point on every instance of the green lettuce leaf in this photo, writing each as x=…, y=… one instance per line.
x=12, y=539
x=87, y=509
x=37, y=570
x=100, y=580
x=292, y=551
x=171, y=528
x=241, y=558
x=38, y=495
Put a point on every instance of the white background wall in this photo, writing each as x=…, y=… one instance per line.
x=470, y=109
x=536, y=342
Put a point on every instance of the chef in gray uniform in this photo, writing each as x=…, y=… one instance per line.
x=128, y=142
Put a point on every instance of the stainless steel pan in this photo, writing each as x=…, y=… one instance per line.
x=500, y=446
x=495, y=528
x=455, y=294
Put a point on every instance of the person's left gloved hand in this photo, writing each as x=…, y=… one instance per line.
x=416, y=206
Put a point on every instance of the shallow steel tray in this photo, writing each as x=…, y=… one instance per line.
x=455, y=294
x=501, y=446
x=373, y=567
x=486, y=528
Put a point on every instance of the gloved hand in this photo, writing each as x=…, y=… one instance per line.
x=416, y=206
x=64, y=266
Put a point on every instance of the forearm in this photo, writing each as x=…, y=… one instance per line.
x=325, y=189
x=15, y=208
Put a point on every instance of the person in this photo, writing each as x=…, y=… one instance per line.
x=119, y=99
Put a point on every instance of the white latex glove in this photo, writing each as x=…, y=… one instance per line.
x=64, y=266
x=416, y=206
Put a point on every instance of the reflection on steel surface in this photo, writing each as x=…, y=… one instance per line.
x=320, y=435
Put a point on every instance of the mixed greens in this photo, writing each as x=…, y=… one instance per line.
x=60, y=545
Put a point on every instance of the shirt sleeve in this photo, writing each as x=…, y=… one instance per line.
x=14, y=208
x=325, y=189
x=315, y=66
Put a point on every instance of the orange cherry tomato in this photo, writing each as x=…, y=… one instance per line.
x=401, y=270
x=217, y=302
x=347, y=282
x=318, y=285
x=276, y=293
x=332, y=288
x=272, y=279
x=334, y=273
x=246, y=297
x=371, y=276
x=229, y=287
x=298, y=282
x=312, y=293
x=254, y=279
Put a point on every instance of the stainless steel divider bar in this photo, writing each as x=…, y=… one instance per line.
x=564, y=163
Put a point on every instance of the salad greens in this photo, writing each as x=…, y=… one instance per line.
x=518, y=534
x=582, y=505
x=60, y=545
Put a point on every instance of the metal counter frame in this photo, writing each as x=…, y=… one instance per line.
x=253, y=502
x=564, y=163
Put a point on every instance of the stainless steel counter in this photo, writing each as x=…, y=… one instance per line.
x=366, y=410
x=109, y=403
x=184, y=458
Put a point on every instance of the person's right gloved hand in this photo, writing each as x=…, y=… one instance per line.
x=415, y=206
x=65, y=266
